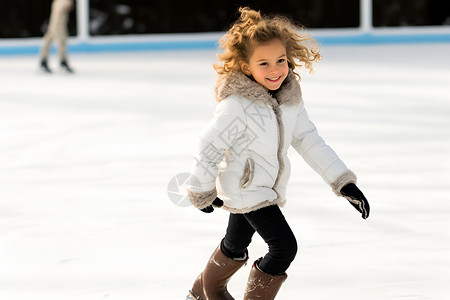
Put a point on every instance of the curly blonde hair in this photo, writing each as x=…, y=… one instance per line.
x=253, y=29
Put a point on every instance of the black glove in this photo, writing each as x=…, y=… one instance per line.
x=357, y=199
x=209, y=209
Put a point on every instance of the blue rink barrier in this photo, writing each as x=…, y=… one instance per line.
x=361, y=39
x=368, y=38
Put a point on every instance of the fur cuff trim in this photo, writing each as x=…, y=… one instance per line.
x=346, y=178
x=201, y=200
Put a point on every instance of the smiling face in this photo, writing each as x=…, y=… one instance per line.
x=268, y=64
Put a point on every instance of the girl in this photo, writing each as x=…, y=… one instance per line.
x=242, y=165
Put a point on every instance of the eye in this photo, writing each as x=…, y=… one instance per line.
x=264, y=64
x=281, y=60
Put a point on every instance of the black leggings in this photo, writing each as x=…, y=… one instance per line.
x=271, y=225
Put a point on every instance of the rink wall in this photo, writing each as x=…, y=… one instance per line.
x=366, y=33
x=210, y=40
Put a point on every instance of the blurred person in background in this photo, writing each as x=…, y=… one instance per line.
x=57, y=29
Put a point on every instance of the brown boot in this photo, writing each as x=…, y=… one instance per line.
x=262, y=286
x=211, y=284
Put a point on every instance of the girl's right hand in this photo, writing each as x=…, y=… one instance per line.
x=209, y=209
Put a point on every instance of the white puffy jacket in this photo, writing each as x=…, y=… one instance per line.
x=242, y=153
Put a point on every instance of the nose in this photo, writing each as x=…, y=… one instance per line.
x=274, y=69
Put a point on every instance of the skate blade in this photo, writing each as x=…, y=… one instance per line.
x=68, y=71
x=193, y=296
x=46, y=71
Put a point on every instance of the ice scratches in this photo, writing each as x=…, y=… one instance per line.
x=66, y=260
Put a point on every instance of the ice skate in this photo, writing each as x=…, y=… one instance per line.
x=65, y=67
x=261, y=285
x=44, y=66
x=212, y=282
x=193, y=296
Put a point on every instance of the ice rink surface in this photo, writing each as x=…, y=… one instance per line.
x=85, y=162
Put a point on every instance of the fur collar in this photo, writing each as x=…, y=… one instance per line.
x=237, y=83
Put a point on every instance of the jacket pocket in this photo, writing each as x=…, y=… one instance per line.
x=249, y=172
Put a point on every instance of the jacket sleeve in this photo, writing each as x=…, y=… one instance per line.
x=229, y=123
x=319, y=156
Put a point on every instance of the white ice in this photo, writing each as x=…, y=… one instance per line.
x=85, y=161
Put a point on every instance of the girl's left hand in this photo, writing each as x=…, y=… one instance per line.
x=356, y=198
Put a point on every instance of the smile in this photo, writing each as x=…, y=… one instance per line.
x=274, y=79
